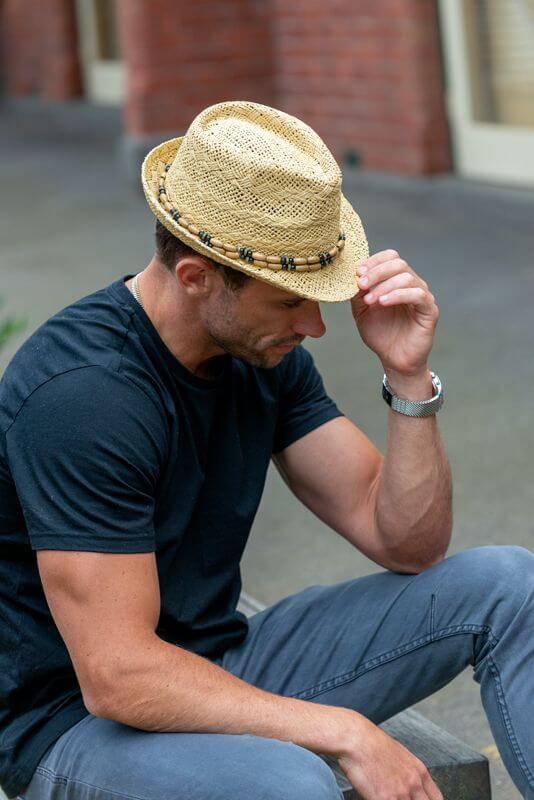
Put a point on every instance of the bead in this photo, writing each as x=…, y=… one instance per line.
x=312, y=260
x=273, y=260
x=217, y=243
x=341, y=244
x=315, y=267
x=232, y=254
x=245, y=253
x=230, y=247
x=332, y=252
x=259, y=257
x=300, y=261
x=192, y=228
x=302, y=268
x=205, y=237
x=260, y=263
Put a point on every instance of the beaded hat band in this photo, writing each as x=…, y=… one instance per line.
x=256, y=189
x=299, y=264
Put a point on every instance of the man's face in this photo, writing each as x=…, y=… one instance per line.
x=260, y=323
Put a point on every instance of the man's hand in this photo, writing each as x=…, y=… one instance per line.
x=396, y=314
x=380, y=768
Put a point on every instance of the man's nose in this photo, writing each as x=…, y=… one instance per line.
x=310, y=322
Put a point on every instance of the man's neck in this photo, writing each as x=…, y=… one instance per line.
x=177, y=326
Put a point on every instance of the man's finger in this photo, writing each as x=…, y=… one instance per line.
x=431, y=789
x=396, y=281
x=415, y=295
x=378, y=258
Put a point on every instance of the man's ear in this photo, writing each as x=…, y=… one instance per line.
x=196, y=275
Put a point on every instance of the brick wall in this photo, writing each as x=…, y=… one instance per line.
x=185, y=56
x=367, y=77
x=38, y=49
x=365, y=74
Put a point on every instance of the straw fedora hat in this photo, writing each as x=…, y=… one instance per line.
x=258, y=190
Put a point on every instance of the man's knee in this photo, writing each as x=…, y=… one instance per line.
x=277, y=770
x=497, y=574
x=493, y=564
x=291, y=772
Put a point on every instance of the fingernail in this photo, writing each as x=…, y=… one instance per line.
x=363, y=281
x=369, y=297
x=362, y=270
x=383, y=298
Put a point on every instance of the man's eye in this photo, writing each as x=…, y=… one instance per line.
x=291, y=305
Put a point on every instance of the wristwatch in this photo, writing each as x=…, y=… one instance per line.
x=415, y=408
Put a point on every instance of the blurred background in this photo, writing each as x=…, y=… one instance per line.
x=428, y=108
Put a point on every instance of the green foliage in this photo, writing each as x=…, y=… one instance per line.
x=9, y=326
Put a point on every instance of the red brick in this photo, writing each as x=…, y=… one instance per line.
x=366, y=75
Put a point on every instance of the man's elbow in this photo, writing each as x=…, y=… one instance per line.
x=414, y=564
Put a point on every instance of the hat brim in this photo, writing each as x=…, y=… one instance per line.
x=331, y=284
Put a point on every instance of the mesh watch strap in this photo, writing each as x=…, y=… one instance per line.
x=415, y=408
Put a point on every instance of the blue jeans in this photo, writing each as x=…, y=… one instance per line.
x=375, y=644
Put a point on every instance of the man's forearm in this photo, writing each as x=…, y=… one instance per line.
x=414, y=498
x=161, y=687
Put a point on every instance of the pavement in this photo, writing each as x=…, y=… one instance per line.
x=71, y=221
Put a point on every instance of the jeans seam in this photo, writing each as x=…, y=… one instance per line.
x=432, y=614
x=514, y=744
x=60, y=779
x=391, y=655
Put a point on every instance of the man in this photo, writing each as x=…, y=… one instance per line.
x=138, y=425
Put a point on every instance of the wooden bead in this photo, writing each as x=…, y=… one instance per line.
x=333, y=252
x=315, y=267
x=341, y=244
x=232, y=254
x=193, y=229
x=273, y=260
x=260, y=263
x=313, y=260
x=259, y=257
x=302, y=268
x=230, y=247
x=220, y=250
x=217, y=243
x=299, y=261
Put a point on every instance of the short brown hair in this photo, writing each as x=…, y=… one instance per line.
x=169, y=249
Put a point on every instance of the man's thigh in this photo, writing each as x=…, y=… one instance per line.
x=99, y=759
x=382, y=642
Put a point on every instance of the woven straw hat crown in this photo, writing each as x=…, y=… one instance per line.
x=257, y=189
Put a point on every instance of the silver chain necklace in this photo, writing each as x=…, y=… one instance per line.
x=135, y=290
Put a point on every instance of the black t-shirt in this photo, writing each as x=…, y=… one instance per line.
x=109, y=444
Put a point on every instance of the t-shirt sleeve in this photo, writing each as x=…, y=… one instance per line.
x=304, y=403
x=85, y=452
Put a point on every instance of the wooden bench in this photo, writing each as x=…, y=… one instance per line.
x=460, y=772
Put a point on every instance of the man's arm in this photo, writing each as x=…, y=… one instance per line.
x=396, y=509
x=106, y=607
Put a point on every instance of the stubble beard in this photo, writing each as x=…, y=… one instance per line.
x=240, y=342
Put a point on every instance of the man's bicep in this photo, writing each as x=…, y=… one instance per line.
x=334, y=471
x=103, y=604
